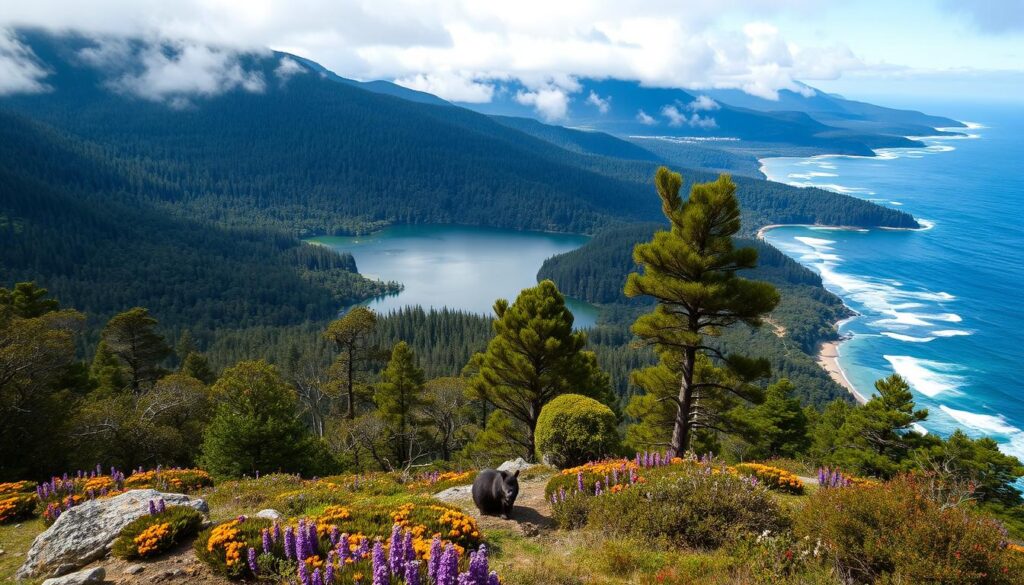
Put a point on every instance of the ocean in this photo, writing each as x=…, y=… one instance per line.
x=942, y=306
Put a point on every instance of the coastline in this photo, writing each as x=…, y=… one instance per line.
x=828, y=358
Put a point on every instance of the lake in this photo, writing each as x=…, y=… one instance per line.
x=459, y=267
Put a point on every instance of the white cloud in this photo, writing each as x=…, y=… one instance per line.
x=552, y=103
x=703, y=103
x=603, y=105
x=172, y=72
x=457, y=48
x=288, y=67
x=450, y=86
x=645, y=118
x=677, y=117
x=20, y=71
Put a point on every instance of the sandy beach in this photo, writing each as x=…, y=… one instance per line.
x=828, y=358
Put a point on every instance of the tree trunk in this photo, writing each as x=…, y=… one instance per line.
x=351, y=414
x=681, y=430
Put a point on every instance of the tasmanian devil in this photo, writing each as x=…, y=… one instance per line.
x=494, y=492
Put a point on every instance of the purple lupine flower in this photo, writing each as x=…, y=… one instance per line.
x=478, y=566
x=464, y=579
x=554, y=498
x=289, y=543
x=335, y=535
x=152, y=508
x=615, y=476
x=448, y=569
x=408, y=552
x=252, y=561
x=492, y=579
x=276, y=534
x=161, y=506
x=301, y=541
x=312, y=540
x=597, y=488
x=412, y=573
x=329, y=571
x=561, y=494
x=363, y=550
x=304, y=573
x=99, y=469
x=579, y=481
x=434, y=562
x=318, y=578
x=380, y=565
x=395, y=557
x=265, y=538
x=342, y=548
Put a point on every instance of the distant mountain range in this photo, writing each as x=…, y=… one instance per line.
x=135, y=147
x=809, y=119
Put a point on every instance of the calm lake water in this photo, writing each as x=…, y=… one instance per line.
x=458, y=267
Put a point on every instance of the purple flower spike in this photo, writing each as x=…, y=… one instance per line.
x=152, y=508
x=395, y=561
x=252, y=561
x=448, y=570
x=434, y=563
x=380, y=565
x=289, y=543
x=412, y=573
x=161, y=506
x=317, y=578
x=265, y=537
x=304, y=573
x=478, y=566
x=276, y=534
x=579, y=481
x=335, y=535
x=408, y=552
x=329, y=572
x=343, y=550
x=492, y=579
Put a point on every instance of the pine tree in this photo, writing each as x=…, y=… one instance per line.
x=106, y=370
x=399, y=398
x=132, y=337
x=197, y=366
x=777, y=426
x=534, y=356
x=255, y=426
x=690, y=270
x=351, y=335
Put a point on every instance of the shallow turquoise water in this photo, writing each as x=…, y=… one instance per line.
x=941, y=306
x=459, y=267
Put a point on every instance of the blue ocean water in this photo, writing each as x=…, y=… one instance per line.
x=941, y=306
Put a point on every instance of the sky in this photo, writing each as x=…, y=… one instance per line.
x=462, y=50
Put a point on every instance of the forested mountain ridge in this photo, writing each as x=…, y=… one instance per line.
x=83, y=222
x=313, y=155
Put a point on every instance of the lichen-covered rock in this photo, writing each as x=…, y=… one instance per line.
x=513, y=465
x=87, y=531
x=270, y=514
x=94, y=575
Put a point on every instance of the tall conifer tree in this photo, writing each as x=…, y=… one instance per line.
x=690, y=270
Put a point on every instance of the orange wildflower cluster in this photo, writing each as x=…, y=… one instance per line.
x=1015, y=548
x=17, y=487
x=603, y=467
x=224, y=536
x=15, y=507
x=98, y=483
x=773, y=477
x=334, y=514
x=152, y=539
x=447, y=476
x=180, y=480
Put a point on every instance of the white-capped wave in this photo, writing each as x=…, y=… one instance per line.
x=908, y=338
x=950, y=332
x=987, y=423
x=928, y=377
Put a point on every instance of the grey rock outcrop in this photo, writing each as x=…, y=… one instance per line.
x=94, y=575
x=87, y=531
x=517, y=464
x=270, y=514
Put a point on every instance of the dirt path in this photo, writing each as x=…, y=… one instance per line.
x=532, y=511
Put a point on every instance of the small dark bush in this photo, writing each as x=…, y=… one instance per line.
x=155, y=534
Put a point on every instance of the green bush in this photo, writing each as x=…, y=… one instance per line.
x=692, y=508
x=155, y=534
x=895, y=532
x=571, y=513
x=573, y=429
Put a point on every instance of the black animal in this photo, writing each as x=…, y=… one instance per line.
x=494, y=492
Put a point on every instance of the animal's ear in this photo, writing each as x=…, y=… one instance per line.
x=516, y=474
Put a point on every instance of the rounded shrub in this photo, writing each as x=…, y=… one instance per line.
x=898, y=532
x=155, y=534
x=573, y=429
